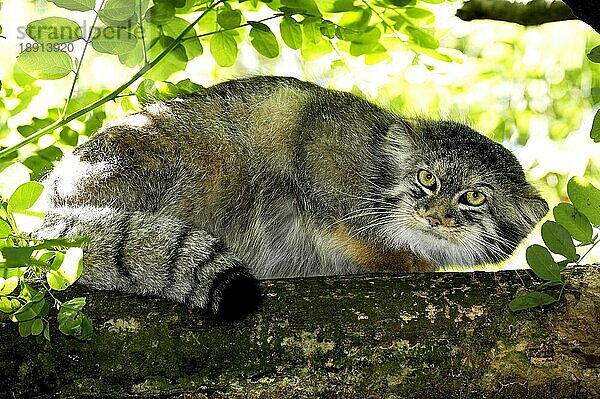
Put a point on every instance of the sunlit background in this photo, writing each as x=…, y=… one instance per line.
x=531, y=89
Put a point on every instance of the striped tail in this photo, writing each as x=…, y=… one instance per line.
x=149, y=254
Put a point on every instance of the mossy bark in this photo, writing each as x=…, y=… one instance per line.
x=423, y=335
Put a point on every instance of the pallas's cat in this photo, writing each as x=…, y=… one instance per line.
x=269, y=177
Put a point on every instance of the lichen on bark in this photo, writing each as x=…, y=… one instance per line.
x=443, y=335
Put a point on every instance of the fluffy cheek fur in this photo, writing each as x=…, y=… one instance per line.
x=480, y=237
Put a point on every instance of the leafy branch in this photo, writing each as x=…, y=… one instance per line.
x=577, y=221
x=112, y=95
x=30, y=268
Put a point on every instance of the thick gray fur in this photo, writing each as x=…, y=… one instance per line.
x=274, y=177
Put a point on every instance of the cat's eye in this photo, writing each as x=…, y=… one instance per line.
x=426, y=179
x=473, y=198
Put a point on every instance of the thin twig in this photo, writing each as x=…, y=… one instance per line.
x=235, y=27
x=85, y=46
x=383, y=21
x=144, y=50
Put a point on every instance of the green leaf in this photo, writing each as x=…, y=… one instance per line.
x=419, y=14
x=69, y=136
x=47, y=65
x=21, y=205
x=586, y=198
x=7, y=286
x=291, y=32
x=35, y=125
x=54, y=30
x=178, y=3
x=71, y=321
x=367, y=42
x=37, y=327
x=186, y=86
x=112, y=40
x=47, y=331
x=29, y=311
x=356, y=20
x=335, y=6
x=25, y=196
x=65, y=270
x=51, y=153
x=229, y=19
x=175, y=61
x=595, y=91
x=192, y=45
x=541, y=262
x=75, y=5
x=117, y=10
x=259, y=26
x=558, y=240
x=327, y=29
x=223, y=48
x=7, y=306
x=308, y=6
x=160, y=13
x=594, y=54
x=17, y=255
x=311, y=30
x=311, y=52
x=595, y=132
x=25, y=327
x=264, y=41
x=147, y=92
x=574, y=221
x=29, y=293
x=39, y=166
x=422, y=37
x=5, y=229
x=531, y=300
x=550, y=284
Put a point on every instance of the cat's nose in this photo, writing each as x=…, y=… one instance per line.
x=433, y=221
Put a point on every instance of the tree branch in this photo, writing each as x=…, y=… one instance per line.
x=536, y=12
x=440, y=335
x=587, y=11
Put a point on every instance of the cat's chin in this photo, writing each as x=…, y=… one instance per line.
x=434, y=233
x=432, y=244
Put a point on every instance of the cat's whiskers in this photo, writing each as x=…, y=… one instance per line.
x=486, y=244
x=362, y=198
x=381, y=221
x=377, y=186
x=358, y=214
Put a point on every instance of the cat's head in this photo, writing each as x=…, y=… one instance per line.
x=457, y=196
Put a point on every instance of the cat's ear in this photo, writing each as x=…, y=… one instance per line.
x=405, y=131
x=531, y=208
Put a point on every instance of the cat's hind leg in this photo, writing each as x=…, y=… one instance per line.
x=117, y=189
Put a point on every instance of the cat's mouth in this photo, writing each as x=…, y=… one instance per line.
x=439, y=231
x=433, y=231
